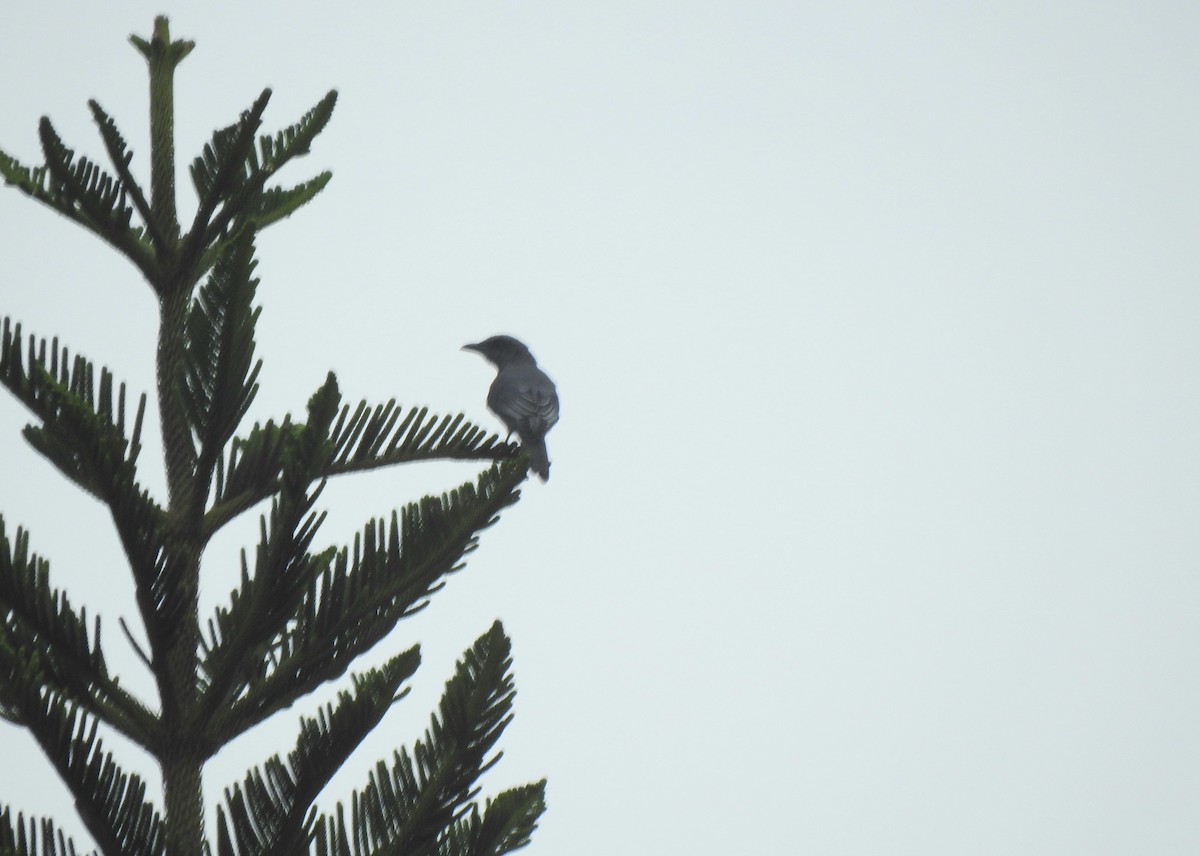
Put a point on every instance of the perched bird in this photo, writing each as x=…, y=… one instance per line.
x=522, y=396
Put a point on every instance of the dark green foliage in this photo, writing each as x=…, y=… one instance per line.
x=32, y=837
x=231, y=175
x=81, y=433
x=363, y=439
x=302, y=612
x=422, y=805
x=269, y=812
x=505, y=825
x=303, y=618
x=45, y=646
x=110, y=802
x=80, y=191
x=122, y=157
x=220, y=377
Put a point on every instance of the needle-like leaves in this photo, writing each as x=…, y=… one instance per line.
x=352, y=604
x=250, y=473
x=83, y=429
x=122, y=158
x=231, y=178
x=100, y=202
x=361, y=439
x=111, y=802
x=269, y=813
x=32, y=837
x=221, y=374
x=301, y=614
x=36, y=617
x=83, y=193
x=240, y=649
x=377, y=437
x=506, y=824
x=219, y=173
x=83, y=433
x=405, y=810
x=275, y=203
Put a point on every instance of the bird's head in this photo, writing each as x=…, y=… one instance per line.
x=501, y=350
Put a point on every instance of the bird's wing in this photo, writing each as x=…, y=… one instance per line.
x=535, y=405
x=528, y=403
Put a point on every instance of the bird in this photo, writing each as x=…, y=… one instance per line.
x=522, y=396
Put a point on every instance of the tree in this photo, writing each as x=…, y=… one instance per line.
x=300, y=615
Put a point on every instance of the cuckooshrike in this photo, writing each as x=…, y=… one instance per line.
x=522, y=396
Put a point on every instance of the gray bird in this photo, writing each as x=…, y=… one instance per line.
x=522, y=396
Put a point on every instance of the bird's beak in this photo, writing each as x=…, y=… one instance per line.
x=470, y=347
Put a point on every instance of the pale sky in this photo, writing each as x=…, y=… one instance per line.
x=873, y=519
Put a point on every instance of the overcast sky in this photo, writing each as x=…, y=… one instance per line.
x=873, y=519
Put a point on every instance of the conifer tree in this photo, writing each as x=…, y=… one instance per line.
x=300, y=614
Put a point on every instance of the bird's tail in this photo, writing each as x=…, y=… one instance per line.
x=539, y=460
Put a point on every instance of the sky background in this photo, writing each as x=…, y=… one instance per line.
x=873, y=519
